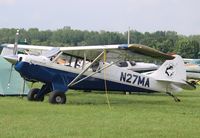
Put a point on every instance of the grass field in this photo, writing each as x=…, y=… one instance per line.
x=86, y=115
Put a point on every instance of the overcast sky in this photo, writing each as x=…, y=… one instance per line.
x=182, y=16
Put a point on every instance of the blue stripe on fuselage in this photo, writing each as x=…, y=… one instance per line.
x=46, y=74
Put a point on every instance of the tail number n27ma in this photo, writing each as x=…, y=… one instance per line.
x=134, y=79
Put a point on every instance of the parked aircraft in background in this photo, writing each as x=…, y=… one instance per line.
x=193, y=69
x=138, y=66
x=191, y=61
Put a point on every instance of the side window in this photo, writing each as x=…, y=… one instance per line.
x=133, y=63
x=122, y=64
x=95, y=66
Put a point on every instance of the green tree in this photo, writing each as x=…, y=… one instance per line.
x=187, y=48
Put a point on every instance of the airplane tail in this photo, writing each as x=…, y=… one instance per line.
x=174, y=72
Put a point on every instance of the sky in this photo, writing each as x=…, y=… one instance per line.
x=182, y=16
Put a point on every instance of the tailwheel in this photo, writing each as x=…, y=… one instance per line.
x=57, y=97
x=32, y=95
x=176, y=99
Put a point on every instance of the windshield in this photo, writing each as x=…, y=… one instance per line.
x=196, y=61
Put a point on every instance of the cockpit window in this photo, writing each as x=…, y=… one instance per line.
x=133, y=63
x=122, y=64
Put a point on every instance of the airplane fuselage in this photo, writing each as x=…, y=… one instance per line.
x=117, y=79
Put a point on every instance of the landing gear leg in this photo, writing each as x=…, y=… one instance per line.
x=176, y=99
x=59, y=87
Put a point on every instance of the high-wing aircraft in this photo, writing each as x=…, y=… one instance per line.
x=58, y=78
x=58, y=74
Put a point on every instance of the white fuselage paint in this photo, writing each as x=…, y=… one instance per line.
x=113, y=73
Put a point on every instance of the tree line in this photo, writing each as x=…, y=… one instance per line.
x=165, y=41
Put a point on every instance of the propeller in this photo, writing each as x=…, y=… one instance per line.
x=15, y=49
x=12, y=59
x=14, y=54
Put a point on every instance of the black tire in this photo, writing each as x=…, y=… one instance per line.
x=32, y=95
x=57, y=97
x=87, y=90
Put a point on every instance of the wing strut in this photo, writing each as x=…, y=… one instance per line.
x=94, y=73
x=84, y=60
x=105, y=81
x=59, y=54
x=77, y=77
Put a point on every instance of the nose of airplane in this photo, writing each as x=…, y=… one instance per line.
x=18, y=66
x=11, y=58
x=21, y=66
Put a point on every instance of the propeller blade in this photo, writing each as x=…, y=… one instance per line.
x=23, y=89
x=15, y=49
x=12, y=58
x=10, y=75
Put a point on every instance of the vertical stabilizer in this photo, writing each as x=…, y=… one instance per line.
x=171, y=70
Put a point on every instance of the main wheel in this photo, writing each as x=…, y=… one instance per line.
x=57, y=97
x=33, y=94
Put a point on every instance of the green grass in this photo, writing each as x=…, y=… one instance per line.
x=87, y=115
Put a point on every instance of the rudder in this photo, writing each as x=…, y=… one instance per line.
x=171, y=70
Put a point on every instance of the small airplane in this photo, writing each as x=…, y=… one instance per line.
x=58, y=78
x=191, y=61
x=139, y=67
x=192, y=70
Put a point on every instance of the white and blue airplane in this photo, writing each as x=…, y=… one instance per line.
x=58, y=78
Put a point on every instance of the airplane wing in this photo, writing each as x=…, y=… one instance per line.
x=35, y=47
x=78, y=51
x=132, y=48
x=145, y=50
